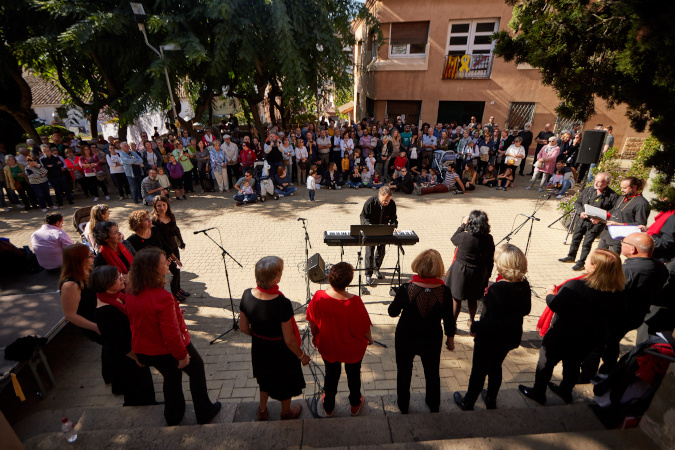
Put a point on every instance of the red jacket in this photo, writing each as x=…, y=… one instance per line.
x=157, y=325
x=247, y=158
x=74, y=167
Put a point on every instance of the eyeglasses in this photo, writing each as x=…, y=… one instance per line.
x=628, y=243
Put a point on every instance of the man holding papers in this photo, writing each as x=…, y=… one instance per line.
x=631, y=209
x=601, y=196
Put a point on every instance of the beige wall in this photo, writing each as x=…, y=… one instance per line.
x=420, y=78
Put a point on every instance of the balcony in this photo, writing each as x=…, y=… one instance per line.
x=471, y=66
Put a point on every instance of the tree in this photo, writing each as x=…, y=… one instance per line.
x=617, y=50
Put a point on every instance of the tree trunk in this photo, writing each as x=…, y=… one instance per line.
x=122, y=132
x=27, y=125
x=93, y=121
x=256, y=118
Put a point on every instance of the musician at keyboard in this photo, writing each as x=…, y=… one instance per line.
x=378, y=210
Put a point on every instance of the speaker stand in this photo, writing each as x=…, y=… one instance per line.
x=308, y=245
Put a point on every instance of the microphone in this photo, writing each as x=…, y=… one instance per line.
x=203, y=231
x=299, y=219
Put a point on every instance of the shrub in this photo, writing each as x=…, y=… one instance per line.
x=48, y=130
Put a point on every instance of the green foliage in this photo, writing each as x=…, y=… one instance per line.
x=617, y=50
x=48, y=130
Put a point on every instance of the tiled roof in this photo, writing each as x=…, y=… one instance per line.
x=45, y=93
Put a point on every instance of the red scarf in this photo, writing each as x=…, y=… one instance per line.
x=112, y=259
x=659, y=221
x=275, y=290
x=545, y=320
x=419, y=279
x=111, y=299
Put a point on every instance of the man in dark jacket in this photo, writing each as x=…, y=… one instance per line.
x=56, y=173
x=601, y=196
x=631, y=209
x=404, y=183
x=378, y=210
x=645, y=277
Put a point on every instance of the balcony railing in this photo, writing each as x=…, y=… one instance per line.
x=470, y=66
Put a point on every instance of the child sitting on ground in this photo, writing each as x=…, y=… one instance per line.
x=377, y=183
x=358, y=159
x=556, y=180
x=433, y=177
x=365, y=177
x=246, y=188
x=355, y=179
x=505, y=179
x=163, y=179
x=489, y=177
x=423, y=179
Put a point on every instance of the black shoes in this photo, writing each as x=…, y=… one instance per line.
x=183, y=293
x=489, y=403
x=209, y=418
x=459, y=401
x=566, y=259
x=529, y=393
x=180, y=297
x=566, y=396
x=578, y=266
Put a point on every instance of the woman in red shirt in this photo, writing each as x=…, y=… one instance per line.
x=341, y=331
x=160, y=338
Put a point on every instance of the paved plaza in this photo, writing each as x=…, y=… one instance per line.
x=271, y=228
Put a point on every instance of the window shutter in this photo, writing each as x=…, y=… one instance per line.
x=409, y=33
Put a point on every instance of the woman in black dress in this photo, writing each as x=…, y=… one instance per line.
x=469, y=273
x=424, y=302
x=134, y=379
x=500, y=327
x=78, y=301
x=165, y=222
x=267, y=316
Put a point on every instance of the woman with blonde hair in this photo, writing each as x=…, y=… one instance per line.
x=500, y=327
x=98, y=213
x=422, y=303
x=582, y=310
x=276, y=352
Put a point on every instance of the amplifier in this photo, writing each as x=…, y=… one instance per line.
x=316, y=268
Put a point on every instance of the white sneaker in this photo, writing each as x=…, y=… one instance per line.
x=20, y=205
x=121, y=198
x=107, y=197
x=54, y=207
x=5, y=209
x=44, y=209
x=95, y=199
x=528, y=188
x=339, y=187
x=292, y=193
x=559, y=196
x=541, y=190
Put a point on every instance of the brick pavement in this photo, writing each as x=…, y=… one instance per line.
x=270, y=228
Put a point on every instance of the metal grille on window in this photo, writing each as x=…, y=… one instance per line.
x=562, y=124
x=520, y=113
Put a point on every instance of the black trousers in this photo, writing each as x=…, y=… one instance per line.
x=175, y=274
x=550, y=355
x=187, y=181
x=608, y=351
x=121, y=183
x=430, y=353
x=174, y=400
x=332, y=377
x=374, y=255
x=487, y=362
x=61, y=187
x=232, y=173
x=582, y=231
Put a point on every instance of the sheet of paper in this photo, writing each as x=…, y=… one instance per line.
x=621, y=231
x=595, y=212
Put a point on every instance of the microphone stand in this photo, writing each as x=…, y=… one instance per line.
x=224, y=253
x=359, y=254
x=308, y=245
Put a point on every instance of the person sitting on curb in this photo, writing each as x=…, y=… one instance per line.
x=150, y=187
x=246, y=187
x=404, y=182
x=451, y=181
x=282, y=183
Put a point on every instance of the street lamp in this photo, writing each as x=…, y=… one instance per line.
x=140, y=16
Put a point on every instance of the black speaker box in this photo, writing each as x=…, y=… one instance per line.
x=316, y=268
x=591, y=146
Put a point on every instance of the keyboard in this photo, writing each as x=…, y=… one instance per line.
x=345, y=239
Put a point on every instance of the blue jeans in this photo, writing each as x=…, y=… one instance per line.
x=311, y=194
x=288, y=190
x=566, y=184
x=42, y=193
x=351, y=184
x=135, y=184
x=248, y=198
x=591, y=177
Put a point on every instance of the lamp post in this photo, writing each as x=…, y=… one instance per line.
x=140, y=16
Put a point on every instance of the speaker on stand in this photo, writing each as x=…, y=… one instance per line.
x=591, y=145
x=316, y=268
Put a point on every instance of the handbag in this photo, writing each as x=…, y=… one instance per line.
x=538, y=164
x=413, y=153
x=17, y=185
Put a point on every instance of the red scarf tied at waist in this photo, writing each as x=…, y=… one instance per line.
x=111, y=299
x=419, y=279
x=545, y=320
x=275, y=290
x=660, y=219
x=113, y=259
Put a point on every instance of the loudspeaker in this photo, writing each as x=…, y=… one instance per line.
x=591, y=146
x=316, y=268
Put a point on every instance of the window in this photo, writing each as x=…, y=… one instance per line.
x=471, y=37
x=520, y=113
x=408, y=39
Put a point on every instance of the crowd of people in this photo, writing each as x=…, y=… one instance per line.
x=369, y=154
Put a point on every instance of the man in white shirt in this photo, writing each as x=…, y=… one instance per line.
x=232, y=155
x=49, y=241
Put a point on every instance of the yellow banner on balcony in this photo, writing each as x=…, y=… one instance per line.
x=456, y=64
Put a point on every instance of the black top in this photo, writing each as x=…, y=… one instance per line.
x=114, y=327
x=504, y=306
x=406, y=181
x=87, y=308
x=474, y=249
x=664, y=241
x=628, y=210
x=170, y=234
x=373, y=213
x=645, y=278
x=589, y=196
x=155, y=240
x=274, y=156
x=423, y=310
x=528, y=137
x=56, y=165
x=99, y=260
x=278, y=181
x=546, y=135
x=266, y=316
x=581, y=314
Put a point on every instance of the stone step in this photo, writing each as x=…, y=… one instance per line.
x=522, y=428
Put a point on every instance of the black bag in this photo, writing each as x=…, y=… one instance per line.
x=23, y=348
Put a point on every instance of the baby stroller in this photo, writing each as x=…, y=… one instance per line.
x=80, y=220
x=264, y=185
x=443, y=158
x=624, y=396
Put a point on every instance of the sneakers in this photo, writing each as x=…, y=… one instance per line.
x=499, y=188
x=540, y=190
x=107, y=197
x=369, y=280
x=379, y=275
x=5, y=209
x=95, y=199
x=292, y=193
x=178, y=198
x=54, y=207
x=121, y=198
x=355, y=410
x=145, y=203
x=44, y=209
x=529, y=188
x=328, y=414
x=339, y=187
x=559, y=196
x=20, y=205
x=566, y=259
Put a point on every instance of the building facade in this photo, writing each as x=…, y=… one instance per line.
x=437, y=64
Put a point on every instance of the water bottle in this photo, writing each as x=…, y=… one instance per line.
x=68, y=430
